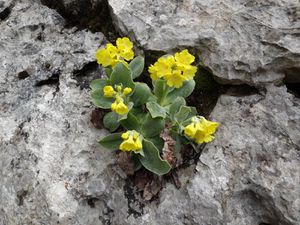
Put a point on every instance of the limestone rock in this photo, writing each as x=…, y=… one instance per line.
x=251, y=42
x=53, y=171
x=250, y=174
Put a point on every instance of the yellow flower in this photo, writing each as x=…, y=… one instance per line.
x=119, y=107
x=189, y=72
x=109, y=91
x=174, y=69
x=132, y=141
x=175, y=79
x=105, y=57
x=201, y=130
x=127, y=91
x=125, y=46
x=111, y=55
x=184, y=57
x=162, y=67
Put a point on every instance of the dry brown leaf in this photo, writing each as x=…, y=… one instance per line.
x=96, y=118
x=152, y=188
x=168, y=149
x=141, y=178
x=125, y=162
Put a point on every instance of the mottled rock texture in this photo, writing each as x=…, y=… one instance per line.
x=241, y=41
x=54, y=172
x=52, y=168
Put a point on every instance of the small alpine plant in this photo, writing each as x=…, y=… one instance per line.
x=144, y=115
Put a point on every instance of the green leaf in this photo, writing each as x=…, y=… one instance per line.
x=131, y=123
x=136, y=161
x=152, y=126
x=175, y=106
x=193, y=112
x=137, y=66
x=186, y=89
x=100, y=101
x=108, y=71
x=141, y=94
x=98, y=84
x=156, y=110
x=122, y=75
x=112, y=141
x=110, y=121
x=183, y=113
x=158, y=142
x=152, y=160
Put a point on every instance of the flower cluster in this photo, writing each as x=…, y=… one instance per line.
x=144, y=119
x=119, y=94
x=111, y=55
x=174, y=69
x=201, y=130
x=132, y=141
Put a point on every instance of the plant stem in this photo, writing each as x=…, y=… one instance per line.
x=165, y=93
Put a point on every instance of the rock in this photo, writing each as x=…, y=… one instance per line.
x=253, y=42
x=53, y=171
x=250, y=174
x=91, y=14
x=5, y=9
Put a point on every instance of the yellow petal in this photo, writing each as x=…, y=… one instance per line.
x=109, y=91
x=113, y=51
x=184, y=57
x=175, y=79
x=127, y=91
x=209, y=126
x=190, y=130
x=153, y=72
x=104, y=58
x=127, y=55
x=189, y=72
x=124, y=44
x=128, y=145
x=121, y=109
x=114, y=106
x=125, y=135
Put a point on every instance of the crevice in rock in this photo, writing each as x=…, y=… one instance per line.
x=5, y=11
x=107, y=215
x=86, y=14
x=88, y=73
x=242, y=90
x=206, y=92
x=20, y=197
x=91, y=202
x=23, y=74
x=294, y=89
x=52, y=80
x=291, y=74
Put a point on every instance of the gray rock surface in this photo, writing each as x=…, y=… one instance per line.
x=52, y=168
x=241, y=41
x=250, y=174
x=54, y=172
